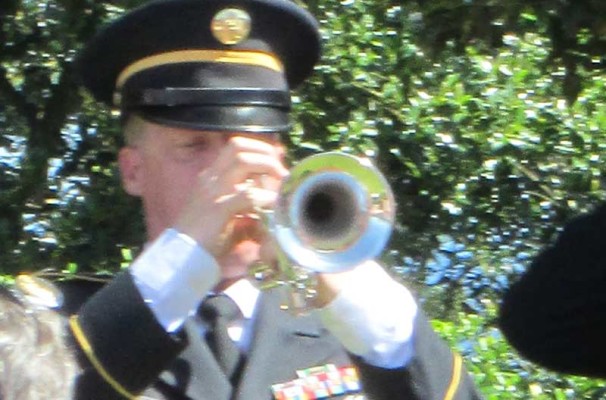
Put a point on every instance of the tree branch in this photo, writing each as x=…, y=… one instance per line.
x=16, y=99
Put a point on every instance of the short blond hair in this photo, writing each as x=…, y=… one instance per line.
x=133, y=128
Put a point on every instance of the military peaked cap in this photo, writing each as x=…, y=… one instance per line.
x=219, y=65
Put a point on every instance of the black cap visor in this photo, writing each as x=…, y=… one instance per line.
x=248, y=119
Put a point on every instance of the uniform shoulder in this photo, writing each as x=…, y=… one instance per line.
x=78, y=288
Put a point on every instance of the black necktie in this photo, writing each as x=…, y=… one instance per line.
x=218, y=311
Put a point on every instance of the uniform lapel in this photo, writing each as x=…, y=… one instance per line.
x=281, y=345
x=196, y=372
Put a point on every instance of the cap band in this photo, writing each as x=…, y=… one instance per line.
x=206, y=96
x=243, y=57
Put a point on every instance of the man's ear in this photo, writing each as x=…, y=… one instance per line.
x=130, y=161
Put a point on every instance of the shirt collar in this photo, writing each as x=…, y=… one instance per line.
x=245, y=295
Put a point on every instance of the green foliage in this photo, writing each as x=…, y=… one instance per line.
x=483, y=149
x=58, y=178
x=486, y=119
x=500, y=373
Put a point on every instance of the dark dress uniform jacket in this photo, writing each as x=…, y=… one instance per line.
x=123, y=349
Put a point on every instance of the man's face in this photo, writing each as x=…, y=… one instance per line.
x=165, y=167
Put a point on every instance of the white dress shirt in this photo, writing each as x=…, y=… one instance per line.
x=373, y=316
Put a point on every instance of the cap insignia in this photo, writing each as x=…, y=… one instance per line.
x=230, y=25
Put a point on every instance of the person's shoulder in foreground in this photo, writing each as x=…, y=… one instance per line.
x=554, y=313
x=36, y=361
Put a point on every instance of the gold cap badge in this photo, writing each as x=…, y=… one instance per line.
x=230, y=25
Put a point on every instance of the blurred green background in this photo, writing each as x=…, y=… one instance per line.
x=486, y=117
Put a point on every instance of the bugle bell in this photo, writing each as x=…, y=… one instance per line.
x=334, y=211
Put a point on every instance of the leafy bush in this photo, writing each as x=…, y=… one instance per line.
x=489, y=129
x=500, y=373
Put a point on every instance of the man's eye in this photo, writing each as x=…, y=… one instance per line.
x=196, y=147
x=202, y=144
x=191, y=150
